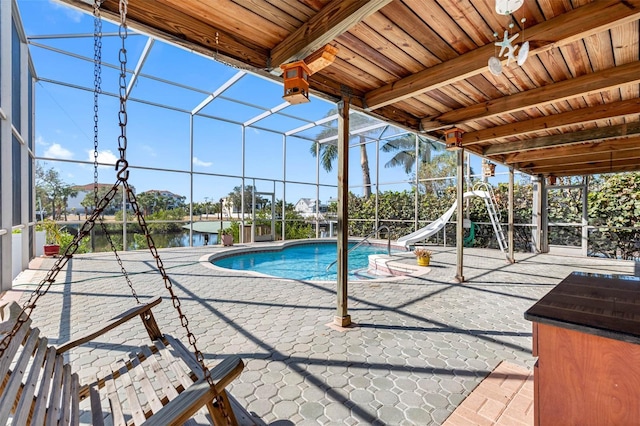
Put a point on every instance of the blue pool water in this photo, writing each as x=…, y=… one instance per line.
x=301, y=262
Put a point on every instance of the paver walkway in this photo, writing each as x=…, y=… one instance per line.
x=419, y=348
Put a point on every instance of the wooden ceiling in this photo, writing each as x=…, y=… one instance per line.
x=572, y=108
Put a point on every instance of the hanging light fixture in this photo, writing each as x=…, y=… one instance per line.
x=507, y=7
x=296, y=82
x=453, y=138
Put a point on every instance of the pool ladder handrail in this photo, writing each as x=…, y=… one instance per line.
x=369, y=235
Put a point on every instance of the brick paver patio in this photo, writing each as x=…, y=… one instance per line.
x=420, y=345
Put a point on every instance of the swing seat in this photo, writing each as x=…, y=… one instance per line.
x=163, y=384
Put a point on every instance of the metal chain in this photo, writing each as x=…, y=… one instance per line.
x=123, y=175
x=97, y=89
x=44, y=285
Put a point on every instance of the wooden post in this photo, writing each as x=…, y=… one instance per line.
x=342, y=318
x=511, y=257
x=585, y=216
x=459, y=216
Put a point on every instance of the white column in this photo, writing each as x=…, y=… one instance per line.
x=24, y=153
x=6, y=166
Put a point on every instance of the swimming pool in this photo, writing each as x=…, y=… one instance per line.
x=302, y=261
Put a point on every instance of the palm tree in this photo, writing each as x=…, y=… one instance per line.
x=328, y=151
x=405, y=148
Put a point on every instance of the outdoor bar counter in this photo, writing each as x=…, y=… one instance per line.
x=586, y=335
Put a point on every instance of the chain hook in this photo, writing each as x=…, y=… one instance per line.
x=123, y=173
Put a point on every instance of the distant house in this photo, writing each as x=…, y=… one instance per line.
x=307, y=207
x=74, y=204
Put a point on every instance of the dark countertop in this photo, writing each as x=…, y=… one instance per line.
x=599, y=304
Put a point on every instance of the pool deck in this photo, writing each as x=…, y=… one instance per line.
x=419, y=347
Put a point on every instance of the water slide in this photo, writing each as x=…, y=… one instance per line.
x=438, y=224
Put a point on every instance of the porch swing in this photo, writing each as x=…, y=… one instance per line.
x=163, y=384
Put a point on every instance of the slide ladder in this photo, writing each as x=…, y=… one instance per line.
x=494, y=215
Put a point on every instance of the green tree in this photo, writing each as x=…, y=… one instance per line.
x=405, y=151
x=88, y=202
x=235, y=198
x=614, y=207
x=328, y=151
x=438, y=174
x=52, y=191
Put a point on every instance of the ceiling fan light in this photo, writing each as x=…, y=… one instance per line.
x=507, y=7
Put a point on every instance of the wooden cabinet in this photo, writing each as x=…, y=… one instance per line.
x=586, y=335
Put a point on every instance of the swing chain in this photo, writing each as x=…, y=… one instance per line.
x=122, y=177
x=44, y=285
x=97, y=89
x=123, y=174
x=97, y=47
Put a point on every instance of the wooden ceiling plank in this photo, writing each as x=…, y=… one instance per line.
x=561, y=30
x=598, y=134
x=183, y=30
x=474, y=26
x=407, y=63
x=442, y=23
x=589, y=158
x=377, y=72
x=587, y=84
x=402, y=39
x=573, y=150
x=366, y=51
x=595, y=167
x=423, y=34
x=268, y=12
x=297, y=9
x=228, y=16
x=580, y=116
x=334, y=19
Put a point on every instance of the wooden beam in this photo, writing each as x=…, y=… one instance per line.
x=566, y=28
x=565, y=139
x=587, y=158
x=573, y=150
x=334, y=19
x=618, y=109
x=581, y=86
x=321, y=59
x=173, y=26
x=625, y=165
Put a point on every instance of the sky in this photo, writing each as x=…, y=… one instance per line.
x=160, y=137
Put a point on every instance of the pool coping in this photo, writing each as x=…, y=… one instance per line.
x=390, y=264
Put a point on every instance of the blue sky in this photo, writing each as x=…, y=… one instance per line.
x=159, y=137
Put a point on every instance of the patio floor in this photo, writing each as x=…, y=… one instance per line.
x=420, y=345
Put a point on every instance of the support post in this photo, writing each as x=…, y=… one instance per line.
x=459, y=216
x=585, y=216
x=342, y=318
x=539, y=232
x=511, y=257
x=6, y=165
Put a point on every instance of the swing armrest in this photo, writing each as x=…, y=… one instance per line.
x=111, y=324
x=194, y=397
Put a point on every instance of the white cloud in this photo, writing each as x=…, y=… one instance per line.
x=57, y=151
x=149, y=150
x=104, y=157
x=197, y=162
x=72, y=14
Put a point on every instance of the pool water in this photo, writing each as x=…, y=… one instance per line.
x=302, y=262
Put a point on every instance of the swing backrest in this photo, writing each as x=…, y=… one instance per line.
x=161, y=384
